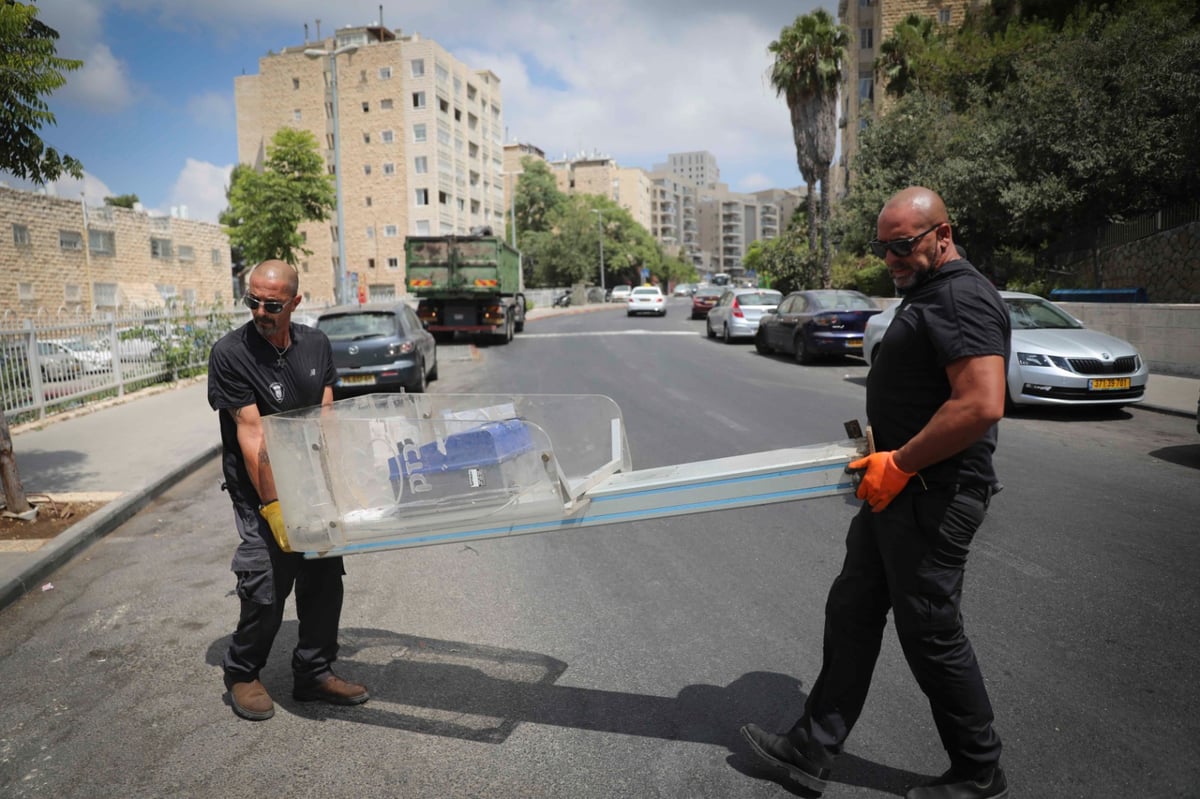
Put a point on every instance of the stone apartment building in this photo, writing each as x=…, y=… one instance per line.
x=870, y=22
x=63, y=256
x=419, y=143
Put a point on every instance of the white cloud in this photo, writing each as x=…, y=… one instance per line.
x=102, y=84
x=212, y=109
x=200, y=188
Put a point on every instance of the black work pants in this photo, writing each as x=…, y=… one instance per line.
x=908, y=558
x=318, y=585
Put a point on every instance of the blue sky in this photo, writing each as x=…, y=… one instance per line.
x=152, y=112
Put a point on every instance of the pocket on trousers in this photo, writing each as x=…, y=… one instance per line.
x=256, y=586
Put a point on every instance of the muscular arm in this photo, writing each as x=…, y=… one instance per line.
x=977, y=389
x=254, y=451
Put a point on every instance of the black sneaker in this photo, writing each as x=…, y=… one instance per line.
x=992, y=784
x=778, y=751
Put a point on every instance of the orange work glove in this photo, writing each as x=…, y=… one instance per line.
x=881, y=479
x=274, y=516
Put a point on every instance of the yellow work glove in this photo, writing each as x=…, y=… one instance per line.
x=274, y=516
x=880, y=479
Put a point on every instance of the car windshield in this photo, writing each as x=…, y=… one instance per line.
x=759, y=298
x=842, y=301
x=347, y=327
x=648, y=292
x=1037, y=314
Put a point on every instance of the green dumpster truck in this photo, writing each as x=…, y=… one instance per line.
x=467, y=284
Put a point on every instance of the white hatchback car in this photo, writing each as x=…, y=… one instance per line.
x=1055, y=359
x=646, y=299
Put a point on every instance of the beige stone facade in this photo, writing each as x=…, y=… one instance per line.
x=56, y=256
x=420, y=147
x=870, y=22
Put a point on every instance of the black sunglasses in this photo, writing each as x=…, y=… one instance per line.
x=272, y=306
x=899, y=247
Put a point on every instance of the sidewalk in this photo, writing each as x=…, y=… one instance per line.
x=139, y=448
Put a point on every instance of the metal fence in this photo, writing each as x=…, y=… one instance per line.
x=53, y=365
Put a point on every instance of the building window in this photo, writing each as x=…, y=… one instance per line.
x=295, y=84
x=865, y=3
x=443, y=106
x=165, y=290
x=370, y=232
x=216, y=257
x=418, y=99
x=385, y=73
x=385, y=105
x=462, y=204
x=366, y=169
x=421, y=164
x=944, y=16
x=25, y=292
x=102, y=242
x=21, y=236
x=104, y=295
x=422, y=197
x=443, y=198
x=72, y=293
x=866, y=38
x=866, y=89
x=370, y=263
x=70, y=240
x=422, y=227
x=366, y=106
x=390, y=231
x=418, y=67
x=418, y=133
x=295, y=114
x=393, y=263
x=389, y=169
x=187, y=252
x=387, y=137
x=160, y=248
x=366, y=139
x=368, y=201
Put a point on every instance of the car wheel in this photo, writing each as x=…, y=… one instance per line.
x=708, y=328
x=433, y=373
x=760, y=343
x=419, y=386
x=725, y=334
x=803, y=354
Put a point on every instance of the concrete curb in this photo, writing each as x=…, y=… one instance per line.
x=60, y=549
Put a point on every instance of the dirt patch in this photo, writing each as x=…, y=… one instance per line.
x=53, y=517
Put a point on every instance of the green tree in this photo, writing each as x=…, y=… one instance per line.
x=806, y=71
x=538, y=198
x=266, y=208
x=122, y=201
x=898, y=54
x=31, y=70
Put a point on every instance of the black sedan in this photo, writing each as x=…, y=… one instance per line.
x=816, y=324
x=379, y=347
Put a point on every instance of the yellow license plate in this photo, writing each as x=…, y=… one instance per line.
x=1108, y=383
x=358, y=380
x=854, y=342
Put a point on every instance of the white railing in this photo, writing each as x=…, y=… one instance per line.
x=49, y=365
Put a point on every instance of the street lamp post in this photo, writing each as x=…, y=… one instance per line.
x=339, y=275
x=600, y=228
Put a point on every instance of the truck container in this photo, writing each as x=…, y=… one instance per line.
x=466, y=284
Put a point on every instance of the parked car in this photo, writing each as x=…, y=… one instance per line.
x=816, y=324
x=65, y=359
x=738, y=310
x=1055, y=359
x=379, y=347
x=620, y=293
x=704, y=298
x=646, y=299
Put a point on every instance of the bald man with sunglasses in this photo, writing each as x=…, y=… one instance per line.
x=266, y=366
x=935, y=395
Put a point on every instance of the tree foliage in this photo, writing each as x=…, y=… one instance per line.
x=30, y=71
x=266, y=208
x=807, y=71
x=122, y=201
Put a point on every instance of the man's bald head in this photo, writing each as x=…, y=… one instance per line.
x=919, y=204
x=276, y=271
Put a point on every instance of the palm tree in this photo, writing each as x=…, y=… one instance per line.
x=807, y=71
x=899, y=52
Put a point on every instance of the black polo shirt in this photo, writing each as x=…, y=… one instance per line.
x=956, y=313
x=245, y=369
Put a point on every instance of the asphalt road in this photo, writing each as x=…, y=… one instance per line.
x=620, y=661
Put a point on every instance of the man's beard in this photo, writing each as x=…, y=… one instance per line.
x=918, y=279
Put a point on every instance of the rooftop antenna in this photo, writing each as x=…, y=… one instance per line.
x=306, y=33
x=381, y=15
x=318, y=30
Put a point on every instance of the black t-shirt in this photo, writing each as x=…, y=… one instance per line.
x=955, y=314
x=245, y=369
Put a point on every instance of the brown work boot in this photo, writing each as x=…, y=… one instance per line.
x=332, y=689
x=250, y=700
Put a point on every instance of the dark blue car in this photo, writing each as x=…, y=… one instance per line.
x=814, y=324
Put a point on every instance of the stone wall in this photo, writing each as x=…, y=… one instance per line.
x=1166, y=264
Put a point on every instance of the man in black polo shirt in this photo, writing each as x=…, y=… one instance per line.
x=266, y=366
x=935, y=394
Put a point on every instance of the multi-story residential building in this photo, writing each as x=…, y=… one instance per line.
x=862, y=94
x=628, y=187
x=730, y=221
x=675, y=224
x=420, y=144
x=62, y=255
x=699, y=167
